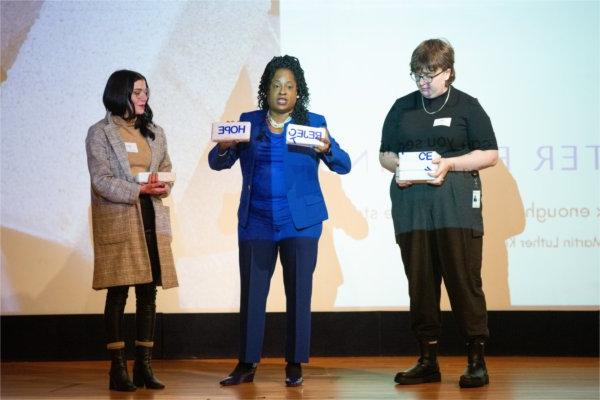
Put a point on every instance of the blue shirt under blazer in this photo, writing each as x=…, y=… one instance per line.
x=301, y=164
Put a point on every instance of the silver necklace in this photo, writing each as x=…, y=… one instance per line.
x=440, y=109
x=275, y=124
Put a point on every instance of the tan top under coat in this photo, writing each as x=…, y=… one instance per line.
x=140, y=161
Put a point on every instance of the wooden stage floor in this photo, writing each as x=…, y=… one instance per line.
x=364, y=378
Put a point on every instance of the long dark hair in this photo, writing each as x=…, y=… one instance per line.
x=117, y=99
x=300, y=113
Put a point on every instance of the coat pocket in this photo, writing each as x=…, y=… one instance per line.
x=311, y=199
x=112, y=223
x=163, y=219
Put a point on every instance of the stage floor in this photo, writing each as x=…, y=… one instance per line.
x=364, y=378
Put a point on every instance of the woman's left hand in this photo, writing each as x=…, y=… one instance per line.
x=325, y=139
x=445, y=165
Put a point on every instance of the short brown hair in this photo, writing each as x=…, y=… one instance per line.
x=432, y=54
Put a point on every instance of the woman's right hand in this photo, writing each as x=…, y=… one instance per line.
x=224, y=146
x=153, y=187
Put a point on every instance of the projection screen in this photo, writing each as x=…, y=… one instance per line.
x=533, y=65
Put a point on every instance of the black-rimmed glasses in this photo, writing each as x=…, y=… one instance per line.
x=426, y=78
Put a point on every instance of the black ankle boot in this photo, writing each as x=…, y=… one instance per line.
x=426, y=370
x=242, y=373
x=118, y=376
x=293, y=374
x=142, y=369
x=476, y=374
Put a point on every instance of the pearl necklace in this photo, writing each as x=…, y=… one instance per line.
x=275, y=124
x=440, y=109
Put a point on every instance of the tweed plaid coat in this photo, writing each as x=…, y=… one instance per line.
x=120, y=251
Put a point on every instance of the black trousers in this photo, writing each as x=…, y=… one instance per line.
x=454, y=255
x=145, y=294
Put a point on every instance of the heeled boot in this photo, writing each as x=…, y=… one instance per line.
x=476, y=374
x=118, y=376
x=145, y=316
x=142, y=368
x=426, y=370
x=293, y=374
x=242, y=373
x=114, y=310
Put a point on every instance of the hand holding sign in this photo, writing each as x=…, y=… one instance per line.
x=223, y=146
x=444, y=165
x=327, y=144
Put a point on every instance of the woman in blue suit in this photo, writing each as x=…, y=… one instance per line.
x=281, y=212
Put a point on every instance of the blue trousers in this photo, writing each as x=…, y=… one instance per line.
x=257, y=263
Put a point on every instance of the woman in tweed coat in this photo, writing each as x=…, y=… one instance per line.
x=131, y=226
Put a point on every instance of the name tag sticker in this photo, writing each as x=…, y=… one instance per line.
x=131, y=147
x=442, y=121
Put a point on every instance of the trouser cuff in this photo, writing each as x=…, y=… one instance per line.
x=115, y=345
x=139, y=343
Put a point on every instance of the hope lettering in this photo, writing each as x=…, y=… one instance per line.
x=231, y=129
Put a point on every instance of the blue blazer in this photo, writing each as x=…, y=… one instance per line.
x=301, y=164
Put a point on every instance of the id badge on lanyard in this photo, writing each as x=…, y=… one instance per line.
x=476, y=201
